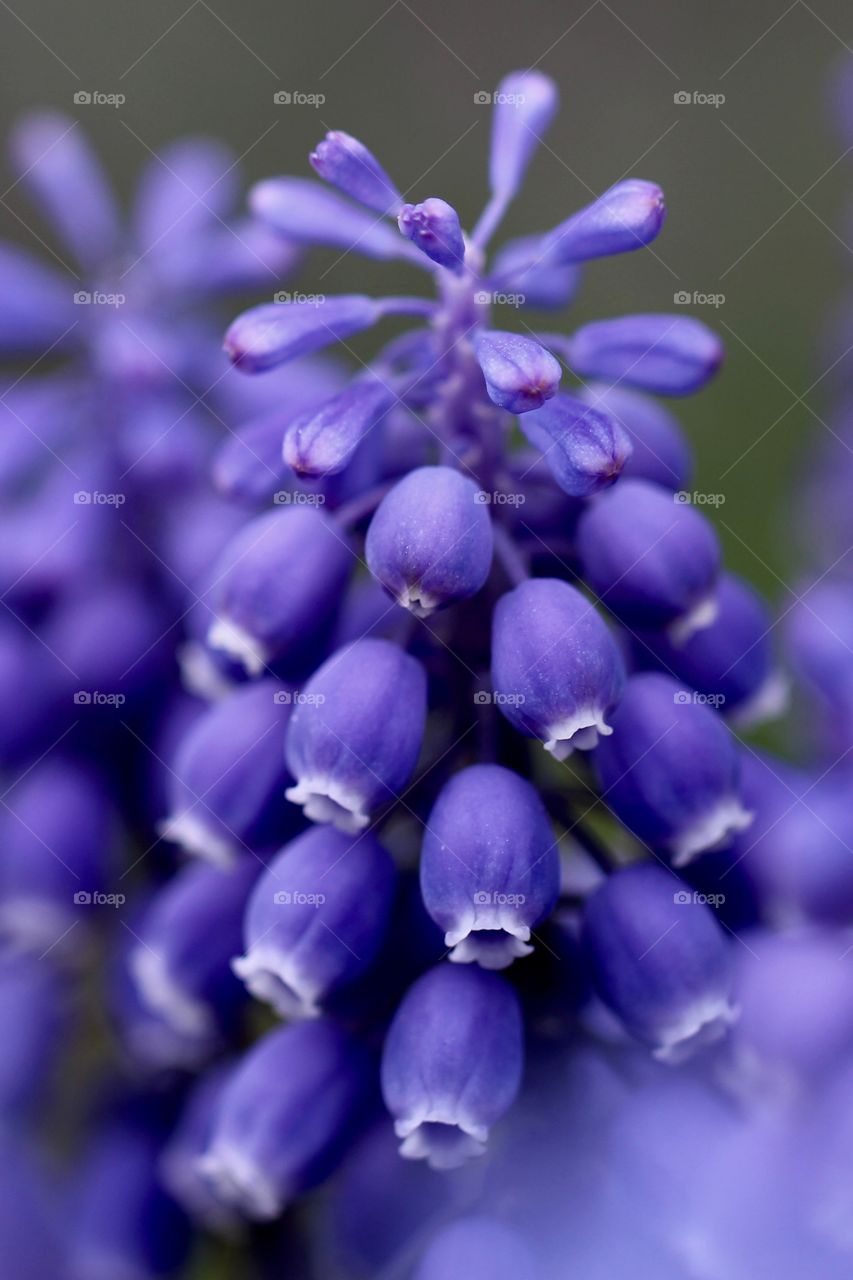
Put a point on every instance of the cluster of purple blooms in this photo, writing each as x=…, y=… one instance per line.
x=414, y=701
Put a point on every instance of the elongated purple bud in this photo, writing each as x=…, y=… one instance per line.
x=671, y=355
x=316, y=919
x=187, y=1144
x=36, y=306
x=556, y=669
x=519, y=269
x=520, y=374
x=354, y=739
x=185, y=942
x=660, y=451
x=653, y=560
x=284, y=1117
x=347, y=164
x=226, y=786
x=321, y=441
x=477, y=1248
x=452, y=1063
x=307, y=213
x=490, y=870
x=434, y=228
x=34, y=1005
x=659, y=960
x=628, y=216
x=671, y=771
x=585, y=448
x=272, y=333
x=430, y=541
x=279, y=584
x=525, y=105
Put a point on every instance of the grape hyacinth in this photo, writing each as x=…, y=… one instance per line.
x=432, y=913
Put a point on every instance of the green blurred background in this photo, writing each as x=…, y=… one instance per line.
x=756, y=185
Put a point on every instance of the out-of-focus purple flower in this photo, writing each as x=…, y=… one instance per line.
x=188, y=1141
x=525, y=105
x=227, y=785
x=452, y=1063
x=355, y=735
x=555, y=666
x=279, y=584
x=186, y=940
x=653, y=561
x=490, y=870
x=659, y=960
x=671, y=771
x=284, y=1117
x=477, y=1248
x=430, y=541
x=671, y=355
x=34, y=999
x=316, y=919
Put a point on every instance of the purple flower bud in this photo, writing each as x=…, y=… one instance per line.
x=452, y=1063
x=671, y=771
x=433, y=227
x=56, y=164
x=186, y=940
x=520, y=374
x=525, y=105
x=660, y=451
x=556, y=668
x=490, y=869
x=671, y=355
x=34, y=1001
x=659, y=960
x=519, y=268
x=279, y=584
x=430, y=541
x=585, y=448
x=626, y=217
x=729, y=662
x=273, y=333
x=316, y=919
x=123, y=1223
x=322, y=440
x=284, y=1117
x=652, y=560
x=226, y=788
x=347, y=164
x=36, y=305
x=819, y=639
x=354, y=738
x=58, y=836
x=307, y=213
x=187, y=1143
